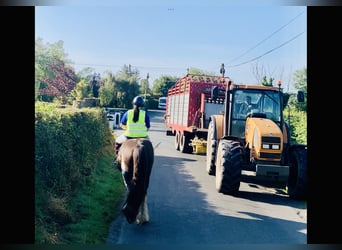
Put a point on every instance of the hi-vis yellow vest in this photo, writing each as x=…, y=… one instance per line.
x=137, y=129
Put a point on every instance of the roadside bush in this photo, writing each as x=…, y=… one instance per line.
x=73, y=149
x=298, y=125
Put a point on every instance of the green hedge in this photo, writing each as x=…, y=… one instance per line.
x=69, y=143
x=298, y=125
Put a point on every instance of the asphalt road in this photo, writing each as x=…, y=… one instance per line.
x=185, y=207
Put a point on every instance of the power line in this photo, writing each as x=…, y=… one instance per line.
x=155, y=68
x=234, y=59
x=256, y=58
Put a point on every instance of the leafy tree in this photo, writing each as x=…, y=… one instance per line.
x=300, y=79
x=126, y=86
x=95, y=84
x=53, y=76
x=144, y=87
x=93, y=79
x=107, y=94
x=128, y=73
x=86, y=73
x=297, y=121
x=264, y=81
x=196, y=71
x=162, y=84
x=81, y=91
x=60, y=84
x=300, y=83
x=120, y=89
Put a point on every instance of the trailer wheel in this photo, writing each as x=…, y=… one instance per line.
x=297, y=182
x=211, y=148
x=177, y=138
x=184, y=141
x=228, y=167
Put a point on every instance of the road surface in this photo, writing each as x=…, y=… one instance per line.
x=185, y=207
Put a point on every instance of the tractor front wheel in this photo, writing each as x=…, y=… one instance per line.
x=228, y=167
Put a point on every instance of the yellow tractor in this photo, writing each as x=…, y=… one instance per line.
x=251, y=135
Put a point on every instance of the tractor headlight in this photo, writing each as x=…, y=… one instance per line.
x=271, y=146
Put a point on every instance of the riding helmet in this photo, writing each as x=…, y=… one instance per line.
x=138, y=101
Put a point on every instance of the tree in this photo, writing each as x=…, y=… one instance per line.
x=95, y=84
x=107, y=94
x=60, y=84
x=144, y=88
x=264, y=81
x=261, y=74
x=128, y=73
x=81, y=91
x=300, y=83
x=162, y=84
x=196, y=71
x=86, y=73
x=120, y=89
x=300, y=79
x=53, y=75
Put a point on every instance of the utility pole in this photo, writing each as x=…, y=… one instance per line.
x=148, y=76
x=96, y=84
x=222, y=71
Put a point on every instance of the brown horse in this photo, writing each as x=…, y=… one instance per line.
x=136, y=158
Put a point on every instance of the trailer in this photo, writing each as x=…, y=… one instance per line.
x=189, y=107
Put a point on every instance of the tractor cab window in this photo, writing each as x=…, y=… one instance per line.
x=270, y=105
x=253, y=102
x=244, y=104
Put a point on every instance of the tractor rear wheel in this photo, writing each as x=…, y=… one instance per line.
x=297, y=182
x=177, y=140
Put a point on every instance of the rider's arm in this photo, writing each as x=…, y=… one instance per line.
x=147, y=121
x=123, y=121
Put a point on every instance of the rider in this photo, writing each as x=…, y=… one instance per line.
x=135, y=122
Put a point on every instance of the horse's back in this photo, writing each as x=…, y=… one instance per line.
x=138, y=147
x=142, y=154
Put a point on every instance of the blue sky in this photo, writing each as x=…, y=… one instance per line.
x=167, y=37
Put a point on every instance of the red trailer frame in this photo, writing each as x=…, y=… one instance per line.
x=187, y=101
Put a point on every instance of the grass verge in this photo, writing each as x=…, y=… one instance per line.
x=93, y=208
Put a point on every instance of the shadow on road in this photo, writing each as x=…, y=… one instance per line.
x=180, y=213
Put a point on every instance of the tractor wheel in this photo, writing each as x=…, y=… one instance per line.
x=211, y=148
x=177, y=140
x=184, y=141
x=297, y=182
x=228, y=167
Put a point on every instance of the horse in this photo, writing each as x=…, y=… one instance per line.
x=135, y=157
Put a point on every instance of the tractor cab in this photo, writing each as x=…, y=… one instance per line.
x=248, y=102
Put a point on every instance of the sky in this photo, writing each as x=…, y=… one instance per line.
x=168, y=37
